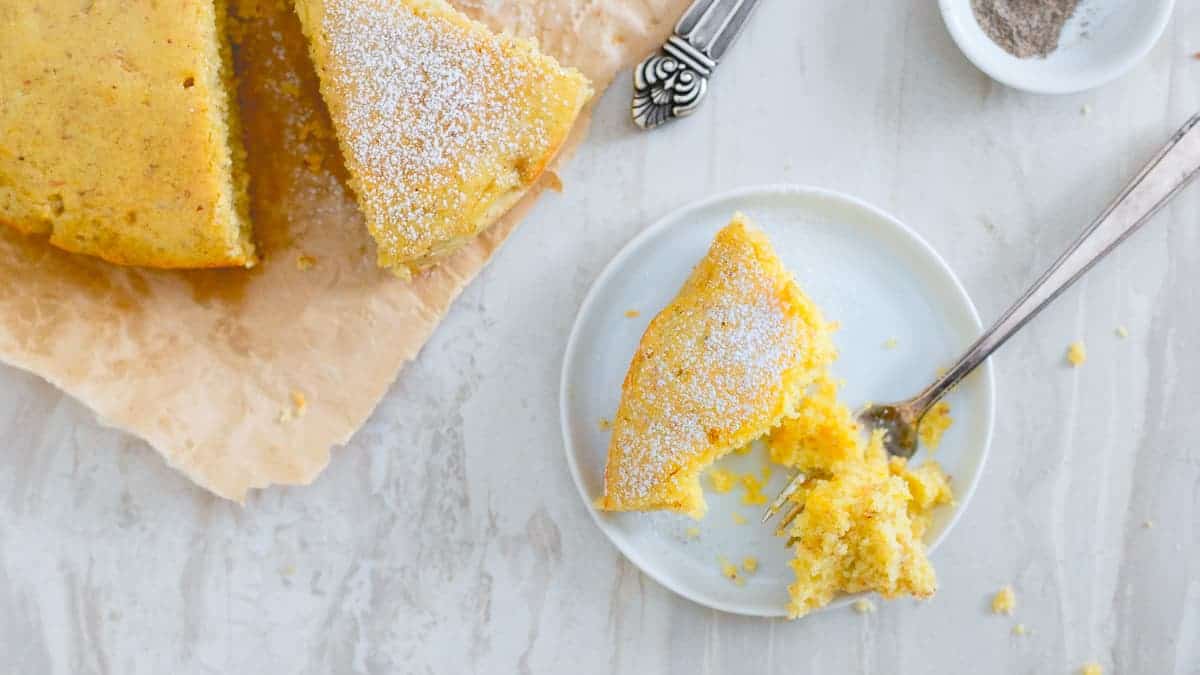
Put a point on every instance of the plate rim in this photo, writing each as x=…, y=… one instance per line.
x=962, y=499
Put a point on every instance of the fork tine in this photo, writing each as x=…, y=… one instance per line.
x=787, y=519
x=784, y=495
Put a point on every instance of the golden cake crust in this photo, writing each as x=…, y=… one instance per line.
x=117, y=134
x=719, y=367
x=443, y=124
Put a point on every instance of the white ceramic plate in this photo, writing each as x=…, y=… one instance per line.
x=1102, y=40
x=868, y=272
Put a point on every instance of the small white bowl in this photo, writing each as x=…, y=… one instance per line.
x=1102, y=40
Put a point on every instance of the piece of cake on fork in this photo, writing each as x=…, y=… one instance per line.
x=443, y=124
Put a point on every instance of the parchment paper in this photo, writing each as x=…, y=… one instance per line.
x=244, y=379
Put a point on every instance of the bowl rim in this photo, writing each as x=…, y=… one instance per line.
x=1020, y=79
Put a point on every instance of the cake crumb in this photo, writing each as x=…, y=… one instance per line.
x=632, y=314
x=754, y=495
x=305, y=262
x=1092, y=668
x=1122, y=332
x=1020, y=629
x=287, y=570
x=1004, y=601
x=767, y=471
x=692, y=533
x=1076, y=353
x=313, y=161
x=299, y=402
x=739, y=519
x=1147, y=524
x=750, y=564
x=730, y=571
x=744, y=450
x=1085, y=109
x=863, y=606
x=553, y=180
x=891, y=343
x=722, y=480
x=605, y=424
x=934, y=424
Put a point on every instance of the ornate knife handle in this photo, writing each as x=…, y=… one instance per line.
x=672, y=82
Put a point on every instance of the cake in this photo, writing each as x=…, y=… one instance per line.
x=118, y=132
x=860, y=530
x=720, y=366
x=443, y=125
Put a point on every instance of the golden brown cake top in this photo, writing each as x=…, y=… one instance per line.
x=114, y=135
x=442, y=123
x=717, y=368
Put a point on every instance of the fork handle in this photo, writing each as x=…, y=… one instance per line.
x=1171, y=170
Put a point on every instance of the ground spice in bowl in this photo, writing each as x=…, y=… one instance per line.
x=1024, y=28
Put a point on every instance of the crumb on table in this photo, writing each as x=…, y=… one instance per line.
x=1076, y=353
x=1004, y=601
x=299, y=402
x=863, y=606
x=305, y=262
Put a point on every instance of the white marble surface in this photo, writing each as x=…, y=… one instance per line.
x=447, y=537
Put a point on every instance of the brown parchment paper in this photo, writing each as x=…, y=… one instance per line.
x=244, y=379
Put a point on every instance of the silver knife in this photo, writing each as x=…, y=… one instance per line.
x=673, y=81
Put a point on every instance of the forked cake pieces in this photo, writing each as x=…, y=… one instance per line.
x=723, y=364
x=118, y=134
x=443, y=124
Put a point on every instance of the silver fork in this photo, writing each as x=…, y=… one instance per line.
x=1172, y=169
x=673, y=82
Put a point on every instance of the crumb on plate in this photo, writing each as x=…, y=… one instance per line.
x=632, y=314
x=754, y=495
x=739, y=519
x=1004, y=601
x=1122, y=332
x=692, y=533
x=863, y=606
x=722, y=480
x=750, y=564
x=1092, y=668
x=1020, y=629
x=934, y=424
x=891, y=343
x=605, y=424
x=730, y=571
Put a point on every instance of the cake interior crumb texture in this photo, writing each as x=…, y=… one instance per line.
x=119, y=134
x=443, y=124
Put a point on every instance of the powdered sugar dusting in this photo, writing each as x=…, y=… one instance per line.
x=710, y=367
x=434, y=117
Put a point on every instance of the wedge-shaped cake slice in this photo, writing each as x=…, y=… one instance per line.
x=723, y=364
x=118, y=134
x=443, y=124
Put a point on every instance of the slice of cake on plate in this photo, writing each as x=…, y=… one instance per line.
x=443, y=124
x=118, y=132
x=722, y=365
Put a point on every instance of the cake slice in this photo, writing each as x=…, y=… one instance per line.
x=723, y=364
x=443, y=124
x=118, y=134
